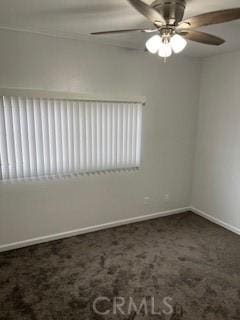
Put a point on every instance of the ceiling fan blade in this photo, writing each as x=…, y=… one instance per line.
x=149, y=12
x=124, y=31
x=210, y=18
x=201, y=37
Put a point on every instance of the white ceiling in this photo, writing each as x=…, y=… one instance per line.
x=77, y=18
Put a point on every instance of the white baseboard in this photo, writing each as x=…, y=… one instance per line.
x=72, y=233
x=215, y=220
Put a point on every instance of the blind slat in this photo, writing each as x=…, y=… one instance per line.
x=38, y=137
x=93, y=136
x=31, y=139
x=24, y=136
x=83, y=137
x=139, y=135
x=129, y=141
x=119, y=141
x=10, y=138
x=114, y=136
x=64, y=132
x=17, y=136
x=70, y=136
x=76, y=135
x=3, y=144
x=45, y=136
x=124, y=137
x=104, y=136
x=134, y=136
x=99, y=137
x=58, y=136
x=87, y=109
x=52, y=138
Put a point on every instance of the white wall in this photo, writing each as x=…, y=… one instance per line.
x=29, y=210
x=216, y=183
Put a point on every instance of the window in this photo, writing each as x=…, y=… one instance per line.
x=43, y=137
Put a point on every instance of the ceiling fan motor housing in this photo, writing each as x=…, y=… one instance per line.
x=171, y=10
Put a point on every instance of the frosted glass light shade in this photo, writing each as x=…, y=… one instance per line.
x=165, y=50
x=178, y=43
x=153, y=44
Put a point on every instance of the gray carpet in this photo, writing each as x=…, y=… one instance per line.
x=183, y=257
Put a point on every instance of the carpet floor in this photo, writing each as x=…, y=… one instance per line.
x=172, y=268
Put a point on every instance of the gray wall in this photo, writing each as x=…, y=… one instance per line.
x=216, y=182
x=29, y=210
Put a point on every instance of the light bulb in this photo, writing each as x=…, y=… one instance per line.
x=178, y=43
x=153, y=44
x=165, y=50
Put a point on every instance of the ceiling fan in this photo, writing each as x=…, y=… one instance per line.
x=172, y=31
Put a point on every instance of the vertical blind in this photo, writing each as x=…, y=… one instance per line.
x=52, y=137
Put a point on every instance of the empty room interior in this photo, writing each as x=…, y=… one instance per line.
x=120, y=160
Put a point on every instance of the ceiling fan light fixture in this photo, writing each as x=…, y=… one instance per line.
x=166, y=16
x=178, y=43
x=153, y=44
